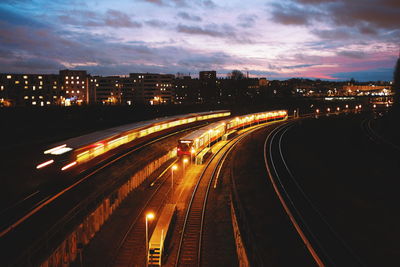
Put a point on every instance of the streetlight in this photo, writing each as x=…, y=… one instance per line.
x=149, y=216
x=347, y=106
x=317, y=111
x=174, y=168
x=192, y=151
x=328, y=109
x=185, y=160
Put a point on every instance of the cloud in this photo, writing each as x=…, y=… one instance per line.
x=186, y=16
x=368, y=17
x=376, y=74
x=247, y=20
x=111, y=18
x=156, y=23
x=352, y=54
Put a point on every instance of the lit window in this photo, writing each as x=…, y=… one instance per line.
x=72, y=77
x=39, y=77
x=77, y=77
x=34, y=88
x=73, y=91
x=40, y=87
x=54, y=87
x=41, y=83
x=25, y=77
x=41, y=97
x=33, y=97
x=26, y=97
x=9, y=77
x=72, y=82
x=48, y=102
x=83, y=87
x=66, y=77
x=26, y=82
x=2, y=87
x=77, y=91
x=66, y=82
x=34, y=103
x=67, y=92
x=25, y=87
x=16, y=82
x=55, y=96
x=55, y=82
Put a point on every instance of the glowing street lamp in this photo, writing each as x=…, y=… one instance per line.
x=149, y=216
x=317, y=111
x=192, y=151
x=328, y=109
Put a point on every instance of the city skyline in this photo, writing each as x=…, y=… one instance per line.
x=323, y=39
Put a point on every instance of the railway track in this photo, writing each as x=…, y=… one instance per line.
x=190, y=245
x=323, y=243
x=131, y=250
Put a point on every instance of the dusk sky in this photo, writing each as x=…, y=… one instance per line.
x=277, y=39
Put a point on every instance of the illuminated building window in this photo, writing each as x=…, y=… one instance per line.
x=40, y=87
x=34, y=88
x=25, y=77
x=41, y=83
x=77, y=91
x=26, y=97
x=66, y=82
x=66, y=77
x=83, y=87
x=67, y=92
x=25, y=87
x=39, y=77
x=33, y=97
x=2, y=87
x=77, y=77
x=34, y=103
x=26, y=82
x=55, y=96
x=73, y=91
x=9, y=77
x=48, y=102
x=41, y=97
x=77, y=82
x=72, y=77
x=54, y=87
x=55, y=82
x=16, y=82
x=72, y=82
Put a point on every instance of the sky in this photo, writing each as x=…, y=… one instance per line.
x=277, y=39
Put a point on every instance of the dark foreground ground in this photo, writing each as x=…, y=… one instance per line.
x=352, y=180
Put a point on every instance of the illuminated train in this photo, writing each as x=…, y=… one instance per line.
x=86, y=151
x=194, y=142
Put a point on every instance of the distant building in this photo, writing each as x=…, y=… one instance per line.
x=113, y=90
x=153, y=88
x=208, y=90
x=75, y=85
x=371, y=89
x=186, y=90
x=30, y=90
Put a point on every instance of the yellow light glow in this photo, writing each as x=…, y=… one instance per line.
x=150, y=216
x=174, y=167
x=44, y=164
x=185, y=160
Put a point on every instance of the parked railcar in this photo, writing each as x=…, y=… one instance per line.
x=90, y=149
x=194, y=142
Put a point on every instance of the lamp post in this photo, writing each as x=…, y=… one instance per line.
x=185, y=160
x=174, y=168
x=149, y=216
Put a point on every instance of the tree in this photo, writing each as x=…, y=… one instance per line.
x=396, y=83
x=236, y=75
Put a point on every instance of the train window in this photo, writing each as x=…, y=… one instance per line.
x=184, y=146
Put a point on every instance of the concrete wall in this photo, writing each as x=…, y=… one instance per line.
x=68, y=250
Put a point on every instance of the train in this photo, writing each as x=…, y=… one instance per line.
x=193, y=143
x=159, y=241
x=88, y=150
